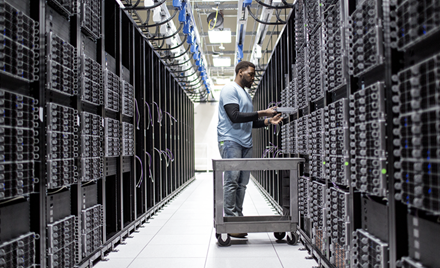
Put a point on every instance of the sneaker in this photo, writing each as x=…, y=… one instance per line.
x=238, y=235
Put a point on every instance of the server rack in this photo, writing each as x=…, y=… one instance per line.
x=360, y=76
x=85, y=159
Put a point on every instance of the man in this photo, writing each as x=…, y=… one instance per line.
x=234, y=131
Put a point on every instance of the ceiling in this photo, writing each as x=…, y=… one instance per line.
x=229, y=10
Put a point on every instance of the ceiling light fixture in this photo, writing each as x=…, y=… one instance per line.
x=222, y=62
x=220, y=36
x=222, y=81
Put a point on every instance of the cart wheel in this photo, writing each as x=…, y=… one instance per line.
x=293, y=240
x=223, y=243
x=216, y=235
x=279, y=235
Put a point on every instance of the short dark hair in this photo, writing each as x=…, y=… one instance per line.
x=243, y=65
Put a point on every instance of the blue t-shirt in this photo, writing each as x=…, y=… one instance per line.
x=226, y=130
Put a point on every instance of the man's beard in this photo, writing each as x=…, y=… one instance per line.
x=247, y=84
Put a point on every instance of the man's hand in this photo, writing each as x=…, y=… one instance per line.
x=268, y=112
x=274, y=120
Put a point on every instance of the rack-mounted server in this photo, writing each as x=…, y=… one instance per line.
x=334, y=63
x=367, y=140
x=112, y=91
x=62, y=145
x=127, y=139
x=18, y=144
x=369, y=251
x=91, y=147
x=91, y=17
x=415, y=22
x=366, y=38
x=62, y=66
x=336, y=141
x=91, y=81
x=314, y=62
x=19, y=252
x=18, y=44
x=416, y=130
x=92, y=221
x=127, y=102
x=65, y=7
x=62, y=241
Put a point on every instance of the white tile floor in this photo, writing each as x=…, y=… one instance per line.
x=182, y=235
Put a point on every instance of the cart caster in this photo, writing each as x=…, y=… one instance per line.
x=292, y=239
x=279, y=235
x=224, y=241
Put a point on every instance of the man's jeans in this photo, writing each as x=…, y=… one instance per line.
x=235, y=182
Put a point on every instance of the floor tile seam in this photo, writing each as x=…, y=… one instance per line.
x=276, y=252
x=209, y=247
x=155, y=233
x=272, y=242
x=258, y=212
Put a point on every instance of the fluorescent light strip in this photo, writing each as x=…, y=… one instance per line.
x=222, y=62
x=217, y=36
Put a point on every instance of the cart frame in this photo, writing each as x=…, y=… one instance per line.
x=254, y=224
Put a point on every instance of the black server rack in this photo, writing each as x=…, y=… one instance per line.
x=362, y=78
x=96, y=134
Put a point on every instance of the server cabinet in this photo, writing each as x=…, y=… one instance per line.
x=90, y=136
x=360, y=76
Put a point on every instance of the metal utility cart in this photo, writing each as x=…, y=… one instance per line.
x=280, y=225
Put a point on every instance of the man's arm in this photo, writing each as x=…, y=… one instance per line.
x=259, y=123
x=234, y=114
